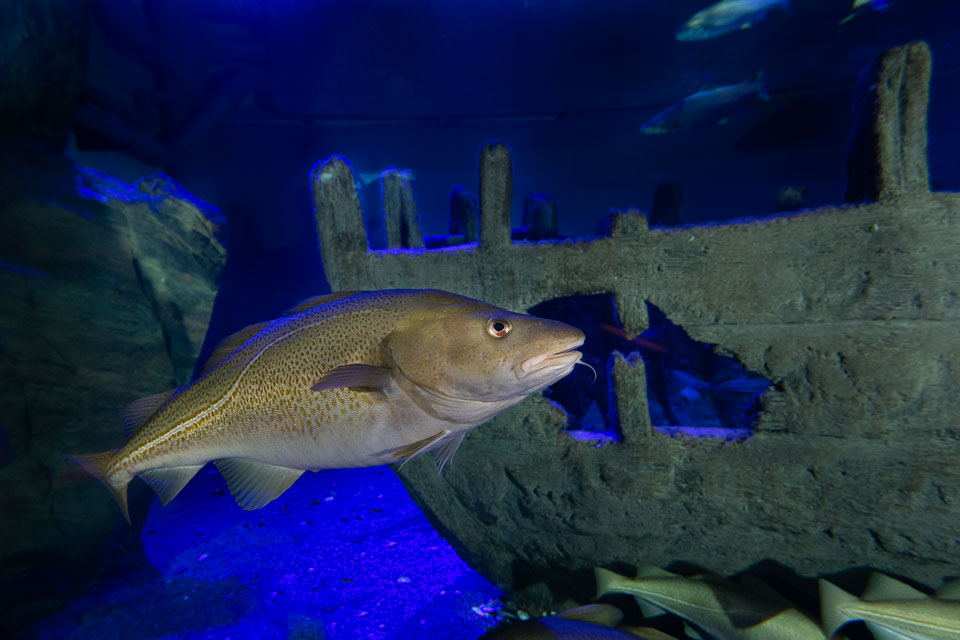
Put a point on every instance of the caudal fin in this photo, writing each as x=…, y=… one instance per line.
x=98, y=465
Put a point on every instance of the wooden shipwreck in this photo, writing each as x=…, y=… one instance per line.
x=852, y=311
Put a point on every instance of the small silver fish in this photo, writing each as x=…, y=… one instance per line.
x=351, y=379
x=727, y=16
x=707, y=107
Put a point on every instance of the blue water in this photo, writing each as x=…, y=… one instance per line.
x=342, y=554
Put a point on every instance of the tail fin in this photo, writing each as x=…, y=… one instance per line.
x=98, y=465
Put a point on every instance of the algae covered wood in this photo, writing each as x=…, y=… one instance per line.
x=851, y=310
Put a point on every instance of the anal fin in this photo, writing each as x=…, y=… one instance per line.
x=167, y=482
x=254, y=484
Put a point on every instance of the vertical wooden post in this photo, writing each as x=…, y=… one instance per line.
x=336, y=208
x=496, y=185
x=400, y=211
x=888, y=155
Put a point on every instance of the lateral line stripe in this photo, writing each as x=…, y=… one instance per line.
x=163, y=438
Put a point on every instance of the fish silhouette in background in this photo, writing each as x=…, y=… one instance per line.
x=726, y=17
x=861, y=6
x=590, y=622
x=707, y=107
x=892, y=610
x=350, y=379
x=724, y=609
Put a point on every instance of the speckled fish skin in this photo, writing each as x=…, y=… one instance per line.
x=722, y=608
x=891, y=609
x=355, y=379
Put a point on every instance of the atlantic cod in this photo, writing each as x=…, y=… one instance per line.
x=350, y=379
x=891, y=610
x=707, y=107
x=720, y=607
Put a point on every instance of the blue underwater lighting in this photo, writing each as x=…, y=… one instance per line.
x=342, y=554
x=691, y=390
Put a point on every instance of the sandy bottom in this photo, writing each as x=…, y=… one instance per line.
x=342, y=554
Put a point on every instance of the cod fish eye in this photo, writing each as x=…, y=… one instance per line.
x=498, y=327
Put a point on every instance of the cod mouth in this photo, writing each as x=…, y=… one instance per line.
x=567, y=357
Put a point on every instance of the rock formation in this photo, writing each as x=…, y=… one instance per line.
x=106, y=290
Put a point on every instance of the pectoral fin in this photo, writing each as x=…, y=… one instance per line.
x=169, y=481
x=356, y=377
x=253, y=483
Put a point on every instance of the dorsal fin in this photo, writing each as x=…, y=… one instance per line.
x=316, y=301
x=136, y=414
x=949, y=591
x=649, y=571
x=883, y=587
x=230, y=344
x=605, y=615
